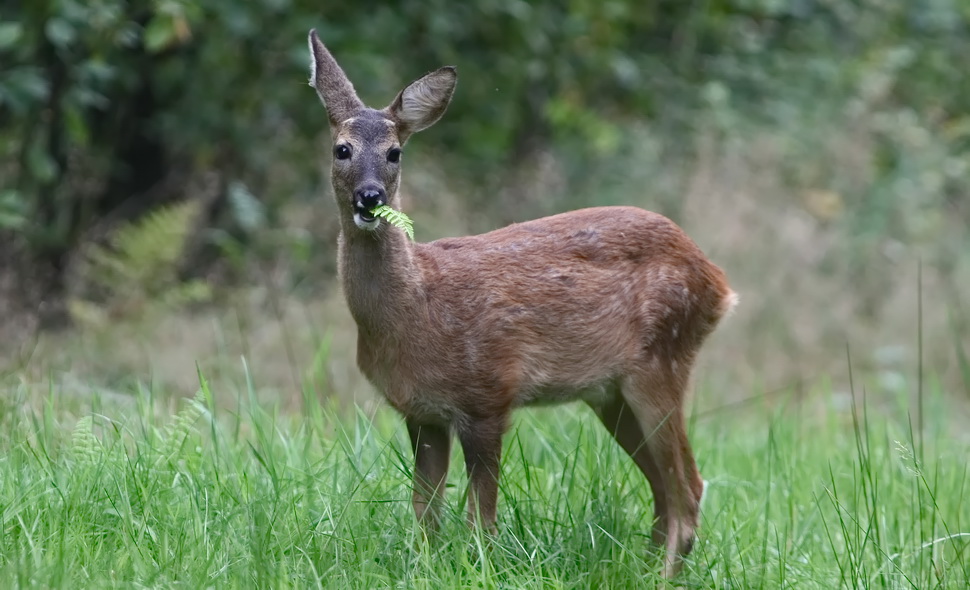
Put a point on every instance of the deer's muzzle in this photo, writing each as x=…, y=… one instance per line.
x=366, y=200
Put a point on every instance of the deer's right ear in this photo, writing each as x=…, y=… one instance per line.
x=333, y=87
x=423, y=101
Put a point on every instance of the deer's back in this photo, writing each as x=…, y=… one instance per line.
x=587, y=258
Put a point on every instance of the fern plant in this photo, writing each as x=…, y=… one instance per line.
x=138, y=266
x=145, y=252
x=395, y=218
x=182, y=426
x=84, y=444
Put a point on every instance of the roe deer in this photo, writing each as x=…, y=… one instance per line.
x=607, y=305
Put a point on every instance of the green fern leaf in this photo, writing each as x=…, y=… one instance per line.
x=84, y=445
x=138, y=264
x=149, y=248
x=396, y=218
x=182, y=427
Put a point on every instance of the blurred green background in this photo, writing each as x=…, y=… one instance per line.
x=164, y=191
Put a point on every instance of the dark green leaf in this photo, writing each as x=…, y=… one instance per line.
x=20, y=88
x=10, y=34
x=160, y=33
x=40, y=163
x=247, y=209
x=60, y=32
x=76, y=126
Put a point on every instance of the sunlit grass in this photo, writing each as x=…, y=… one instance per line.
x=799, y=496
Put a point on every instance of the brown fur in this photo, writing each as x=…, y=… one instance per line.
x=607, y=305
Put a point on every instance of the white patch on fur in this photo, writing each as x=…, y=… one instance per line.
x=730, y=302
x=676, y=330
x=368, y=225
x=313, y=64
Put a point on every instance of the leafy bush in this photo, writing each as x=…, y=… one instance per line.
x=110, y=109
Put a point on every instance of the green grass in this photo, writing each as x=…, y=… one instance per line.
x=799, y=497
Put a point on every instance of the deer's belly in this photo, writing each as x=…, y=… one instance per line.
x=594, y=394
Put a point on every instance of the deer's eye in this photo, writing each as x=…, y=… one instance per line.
x=394, y=155
x=341, y=152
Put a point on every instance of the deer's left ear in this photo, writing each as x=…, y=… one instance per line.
x=423, y=101
x=333, y=87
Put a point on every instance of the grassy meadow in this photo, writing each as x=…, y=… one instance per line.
x=145, y=490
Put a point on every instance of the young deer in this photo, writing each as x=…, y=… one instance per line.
x=607, y=305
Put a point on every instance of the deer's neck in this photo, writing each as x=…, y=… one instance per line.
x=380, y=280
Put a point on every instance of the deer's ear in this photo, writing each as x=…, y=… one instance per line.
x=423, y=101
x=333, y=87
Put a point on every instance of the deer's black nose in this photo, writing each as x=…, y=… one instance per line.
x=370, y=197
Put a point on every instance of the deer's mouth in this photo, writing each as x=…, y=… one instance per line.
x=364, y=213
x=363, y=218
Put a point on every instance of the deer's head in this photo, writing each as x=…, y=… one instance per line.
x=367, y=142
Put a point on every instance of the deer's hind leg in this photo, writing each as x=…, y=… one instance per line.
x=623, y=424
x=657, y=399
